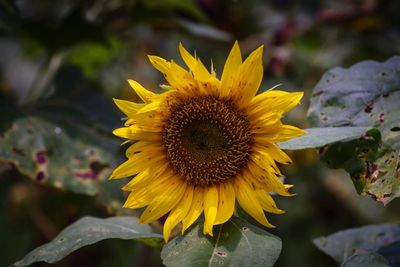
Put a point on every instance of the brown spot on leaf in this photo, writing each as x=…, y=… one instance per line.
x=373, y=171
x=97, y=166
x=382, y=117
x=41, y=157
x=93, y=174
x=19, y=151
x=368, y=108
x=220, y=253
x=373, y=196
x=88, y=175
x=317, y=93
x=40, y=176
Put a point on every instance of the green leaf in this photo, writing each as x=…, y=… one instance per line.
x=367, y=95
x=68, y=147
x=87, y=231
x=47, y=154
x=235, y=243
x=343, y=244
x=371, y=259
x=352, y=155
x=318, y=137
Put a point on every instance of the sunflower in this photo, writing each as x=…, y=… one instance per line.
x=205, y=142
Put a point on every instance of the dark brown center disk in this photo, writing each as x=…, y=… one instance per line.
x=207, y=140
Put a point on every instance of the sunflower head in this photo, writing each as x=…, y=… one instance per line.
x=205, y=143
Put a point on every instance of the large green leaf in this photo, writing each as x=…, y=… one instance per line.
x=235, y=243
x=87, y=231
x=368, y=95
x=343, y=244
x=47, y=154
x=67, y=146
x=318, y=137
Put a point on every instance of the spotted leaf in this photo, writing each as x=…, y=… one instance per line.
x=49, y=154
x=235, y=243
x=368, y=95
x=87, y=231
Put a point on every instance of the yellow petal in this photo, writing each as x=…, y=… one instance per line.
x=129, y=122
x=275, y=153
x=143, y=125
x=137, y=163
x=135, y=148
x=145, y=177
x=288, y=132
x=267, y=202
x=166, y=201
x=277, y=186
x=180, y=75
x=226, y=203
x=195, y=209
x=275, y=132
x=250, y=77
x=180, y=79
x=189, y=60
x=274, y=100
x=142, y=92
x=249, y=202
x=160, y=64
x=138, y=199
x=268, y=96
x=141, y=146
x=270, y=122
x=127, y=107
x=264, y=161
x=150, y=107
x=253, y=177
x=134, y=132
x=231, y=69
x=266, y=175
x=176, y=76
x=210, y=209
x=178, y=213
x=149, y=119
x=144, y=196
x=195, y=65
x=126, y=132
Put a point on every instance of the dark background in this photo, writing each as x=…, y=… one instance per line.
x=84, y=51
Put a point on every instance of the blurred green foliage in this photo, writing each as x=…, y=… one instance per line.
x=62, y=61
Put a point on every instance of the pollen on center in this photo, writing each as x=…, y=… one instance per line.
x=207, y=140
